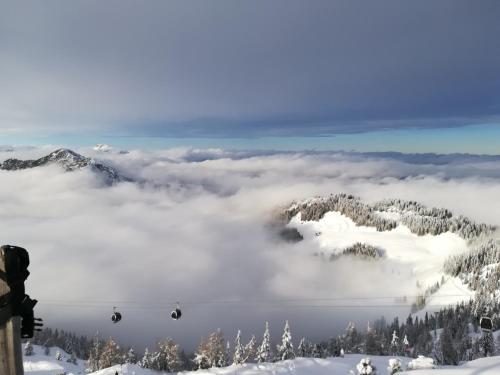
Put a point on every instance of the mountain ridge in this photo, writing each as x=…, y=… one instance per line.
x=69, y=160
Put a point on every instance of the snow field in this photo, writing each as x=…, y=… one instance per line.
x=421, y=256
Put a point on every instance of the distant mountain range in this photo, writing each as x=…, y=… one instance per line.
x=70, y=161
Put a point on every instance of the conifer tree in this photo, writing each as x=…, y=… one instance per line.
x=250, y=350
x=147, y=360
x=406, y=345
x=93, y=363
x=111, y=354
x=316, y=351
x=239, y=355
x=264, y=353
x=487, y=344
x=351, y=338
x=394, y=344
x=201, y=358
x=302, y=349
x=448, y=352
x=285, y=350
x=167, y=357
x=131, y=357
x=371, y=346
x=218, y=353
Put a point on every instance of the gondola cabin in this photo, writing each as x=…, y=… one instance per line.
x=116, y=317
x=176, y=313
x=486, y=324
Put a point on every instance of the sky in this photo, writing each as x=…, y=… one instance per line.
x=379, y=76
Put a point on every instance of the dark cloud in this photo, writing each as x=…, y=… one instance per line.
x=245, y=68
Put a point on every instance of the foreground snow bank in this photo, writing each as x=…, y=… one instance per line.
x=421, y=363
x=40, y=364
x=329, y=366
x=482, y=366
x=298, y=366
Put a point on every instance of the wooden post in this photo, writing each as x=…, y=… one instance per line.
x=11, y=358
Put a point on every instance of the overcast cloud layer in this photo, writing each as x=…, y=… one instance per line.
x=195, y=232
x=246, y=68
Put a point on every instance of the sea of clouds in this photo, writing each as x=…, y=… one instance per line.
x=193, y=228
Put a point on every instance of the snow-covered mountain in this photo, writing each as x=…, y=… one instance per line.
x=101, y=147
x=69, y=161
x=419, y=239
x=387, y=215
x=104, y=148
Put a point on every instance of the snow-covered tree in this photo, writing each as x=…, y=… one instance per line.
x=264, y=353
x=285, y=350
x=304, y=348
x=239, y=354
x=487, y=344
x=211, y=352
x=395, y=344
x=58, y=356
x=111, y=354
x=227, y=358
x=365, y=367
x=147, y=360
x=406, y=344
x=131, y=357
x=371, y=343
x=250, y=350
x=316, y=351
x=93, y=363
x=68, y=345
x=218, y=351
x=351, y=338
x=201, y=357
x=167, y=357
x=28, y=349
x=342, y=352
x=394, y=366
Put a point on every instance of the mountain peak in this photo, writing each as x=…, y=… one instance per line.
x=65, y=153
x=67, y=159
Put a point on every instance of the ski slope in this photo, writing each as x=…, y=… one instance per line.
x=422, y=257
x=453, y=291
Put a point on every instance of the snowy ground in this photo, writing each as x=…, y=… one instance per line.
x=39, y=364
x=421, y=256
x=451, y=292
x=483, y=366
x=299, y=366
